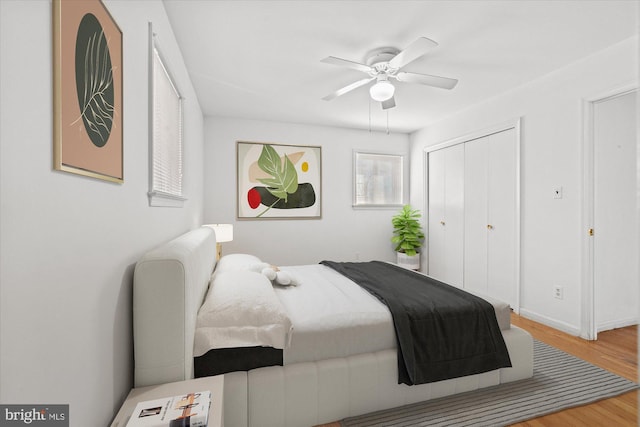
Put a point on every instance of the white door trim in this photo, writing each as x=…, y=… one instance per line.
x=588, y=326
x=513, y=123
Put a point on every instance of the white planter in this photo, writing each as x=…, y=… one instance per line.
x=409, y=262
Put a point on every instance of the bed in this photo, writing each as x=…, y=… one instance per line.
x=319, y=371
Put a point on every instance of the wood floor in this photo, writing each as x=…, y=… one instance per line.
x=615, y=351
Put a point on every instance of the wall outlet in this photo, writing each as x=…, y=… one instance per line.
x=558, y=292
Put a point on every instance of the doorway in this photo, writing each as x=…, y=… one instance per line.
x=611, y=250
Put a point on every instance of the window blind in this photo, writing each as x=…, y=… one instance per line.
x=166, y=163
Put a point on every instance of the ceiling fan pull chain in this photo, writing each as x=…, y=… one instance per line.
x=387, y=122
x=369, y=115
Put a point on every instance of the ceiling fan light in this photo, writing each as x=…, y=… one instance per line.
x=382, y=90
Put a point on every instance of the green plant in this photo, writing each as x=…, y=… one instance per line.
x=407, y=231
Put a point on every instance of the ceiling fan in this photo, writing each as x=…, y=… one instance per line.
x=384, y=64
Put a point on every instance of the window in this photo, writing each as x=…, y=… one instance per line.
x=166, y=134
x=378, y=179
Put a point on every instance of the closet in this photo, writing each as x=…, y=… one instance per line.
x=472, y=211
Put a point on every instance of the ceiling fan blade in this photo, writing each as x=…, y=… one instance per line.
x=414, y=51
x=348, y=88
x=389, y=103
x=426, y=79
x=346, y=63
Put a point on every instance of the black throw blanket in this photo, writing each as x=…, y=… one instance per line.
x=443, y=332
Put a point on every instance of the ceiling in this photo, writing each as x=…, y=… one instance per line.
x=261, y=59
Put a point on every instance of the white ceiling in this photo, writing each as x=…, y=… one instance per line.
x=261, y=59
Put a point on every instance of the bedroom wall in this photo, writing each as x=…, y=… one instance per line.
x=343, y=233
x=68, y=244
x=551, y=156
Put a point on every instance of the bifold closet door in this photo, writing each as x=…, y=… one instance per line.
x=490, y=223
x=445, y=218
x=476, y=219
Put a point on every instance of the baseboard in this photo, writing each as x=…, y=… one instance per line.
x=561, y=326
x=615, y=324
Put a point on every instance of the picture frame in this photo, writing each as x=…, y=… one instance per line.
x=277, y=181
x=87, y=91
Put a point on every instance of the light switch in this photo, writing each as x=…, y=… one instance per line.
x=557, y=192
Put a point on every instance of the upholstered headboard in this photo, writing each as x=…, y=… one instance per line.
x=169, y=285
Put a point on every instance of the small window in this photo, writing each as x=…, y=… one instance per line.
x=377, y=180
x=166, y=134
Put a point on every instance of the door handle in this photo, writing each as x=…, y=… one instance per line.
x=489, y=227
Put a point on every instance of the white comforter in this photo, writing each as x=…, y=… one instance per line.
x=332, y=316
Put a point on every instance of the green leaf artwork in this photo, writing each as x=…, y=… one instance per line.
x=284, y=178
x=94, y=80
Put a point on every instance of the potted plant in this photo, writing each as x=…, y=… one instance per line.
x=408, y=237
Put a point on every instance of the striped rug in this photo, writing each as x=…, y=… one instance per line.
x=560, y=381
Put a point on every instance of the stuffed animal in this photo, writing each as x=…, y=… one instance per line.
x=279, y=277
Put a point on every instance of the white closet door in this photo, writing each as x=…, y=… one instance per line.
x=454, y=214
x=436, y=237
x=501, y=217
x=476, y=168
x=446, y=215
x=490, y=252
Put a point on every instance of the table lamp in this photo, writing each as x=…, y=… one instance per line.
x=224, y=233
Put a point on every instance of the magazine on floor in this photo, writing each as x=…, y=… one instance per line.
x=191, y=409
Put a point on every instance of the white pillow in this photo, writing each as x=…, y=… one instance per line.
x=241, y=310
x=235, y=262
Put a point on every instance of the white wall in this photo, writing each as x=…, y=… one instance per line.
x=69, y=243
x=343, y=233
x=551, y=156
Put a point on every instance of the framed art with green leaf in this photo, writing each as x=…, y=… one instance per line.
x=87, y=90
x=278, y=181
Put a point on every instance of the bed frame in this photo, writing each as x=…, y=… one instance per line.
x=170, y=283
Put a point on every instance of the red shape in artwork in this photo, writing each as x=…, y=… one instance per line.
x=254, y=199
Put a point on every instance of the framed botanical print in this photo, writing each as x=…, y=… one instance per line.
x=87, y=94
x=278, y=181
